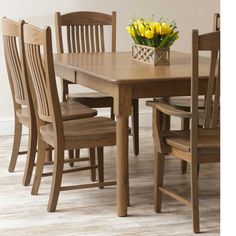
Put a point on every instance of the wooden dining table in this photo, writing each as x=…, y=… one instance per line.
x=117, y=75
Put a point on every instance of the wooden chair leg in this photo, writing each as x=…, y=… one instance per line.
x=112, y=113
x=183, y=166
x=64, y=89
x=135, y=126
x=71, y=156
x=56, y=178
x=16, y=146
x=159, y=165
x=194, y=197
x=92, y=162
x=77, y=153
x=39, y=165
x=184, y=126
x=100, y=157
x=166, y=122
x=29, y=165
x=48, y=154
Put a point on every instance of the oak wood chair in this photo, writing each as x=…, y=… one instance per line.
x=22, y=101
x=197, y=144
x=23, y=97
x=184, y=102
x=95, y=132
x=85, y=33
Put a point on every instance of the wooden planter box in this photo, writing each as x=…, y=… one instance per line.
x=151, y=55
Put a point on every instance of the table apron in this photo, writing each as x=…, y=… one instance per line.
x=65, y=73
x=166, y=88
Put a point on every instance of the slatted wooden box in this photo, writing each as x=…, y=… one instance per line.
x=151, y=55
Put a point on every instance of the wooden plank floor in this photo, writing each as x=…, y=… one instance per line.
x=92, y=211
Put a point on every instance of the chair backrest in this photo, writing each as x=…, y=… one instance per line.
x=216, y=20
x=206, y=42
x=39, y=55
x=84, y=31
x=12, y=42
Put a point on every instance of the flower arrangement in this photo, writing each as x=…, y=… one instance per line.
x=158, y=34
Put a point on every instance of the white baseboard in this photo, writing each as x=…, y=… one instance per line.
x=7, y=126
x=145, y=120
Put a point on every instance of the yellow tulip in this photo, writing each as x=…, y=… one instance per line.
x=142, y=29
x=149, y=34
x=158, y=28
x=165, y=29
x=130, y=30
x=152, y=28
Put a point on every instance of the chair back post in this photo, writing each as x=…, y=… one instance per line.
x=194, y=96
x=113, y=43
x=38, y=47
x=58, y=32
x=51, y=79
x=216, y=22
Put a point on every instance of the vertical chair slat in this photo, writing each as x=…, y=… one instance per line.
x=87, y=38
x=68, y=38
x=82, y=38
x=16, y=68
x=73, y=38
x=37, y=78
x=32, y=71
x=42, y=78
x=102, y=38
x=15, y=73
x=17, y=65
x=92, y=38
x=12, y=67
x=210, y=91
x=78, y=39
x=10, y=62
x=97, y=38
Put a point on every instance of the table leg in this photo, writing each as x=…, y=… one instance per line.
x=122, y=111
x=122, y=169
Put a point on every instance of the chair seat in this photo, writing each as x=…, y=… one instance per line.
x=76, y=110
x=95, y=100
x=181, y=141
x=84, y=133
x=69, y=110
x=183, y=102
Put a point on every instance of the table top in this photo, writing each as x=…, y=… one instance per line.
x=119, y=68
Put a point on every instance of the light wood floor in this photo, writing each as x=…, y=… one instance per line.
x=92, y=211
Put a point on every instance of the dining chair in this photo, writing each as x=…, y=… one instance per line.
x=94, y=132
x=197, y=144
x=24, y=97
x=84, y=32
x=22, y=101
x=184, y=102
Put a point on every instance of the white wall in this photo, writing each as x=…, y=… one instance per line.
x=188, y=14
